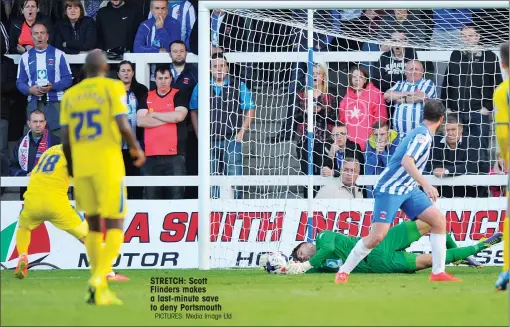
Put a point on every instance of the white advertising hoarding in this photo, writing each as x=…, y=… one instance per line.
x=163, y=234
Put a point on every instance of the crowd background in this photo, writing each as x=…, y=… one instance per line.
x=362, y=109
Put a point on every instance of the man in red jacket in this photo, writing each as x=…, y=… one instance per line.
x=165, y=134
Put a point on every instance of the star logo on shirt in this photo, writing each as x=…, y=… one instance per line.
x=354, y=113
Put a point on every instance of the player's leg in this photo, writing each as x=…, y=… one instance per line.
x=27, y=223
x=504, y=276
x=424, y=228
x=424, y=261
x=385, y=208
x=86, y=195
x=112, y=198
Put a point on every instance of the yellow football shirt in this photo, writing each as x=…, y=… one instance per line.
x=89, y=110
x=49, y=177
x=501, y=103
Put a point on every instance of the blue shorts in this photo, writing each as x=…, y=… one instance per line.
x=387, y=205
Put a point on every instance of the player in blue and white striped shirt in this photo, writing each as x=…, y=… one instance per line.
x=397, y=189
x=408, y=98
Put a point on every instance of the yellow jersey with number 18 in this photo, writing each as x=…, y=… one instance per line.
x=89, y=110
x=501, y=104
x=49, y=178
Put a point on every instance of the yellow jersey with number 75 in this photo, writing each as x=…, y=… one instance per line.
x=89, y=110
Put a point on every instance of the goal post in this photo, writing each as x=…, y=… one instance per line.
x=267, y=11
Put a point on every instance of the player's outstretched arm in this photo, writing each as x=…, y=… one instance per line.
x=127, y=134
x=66, y=147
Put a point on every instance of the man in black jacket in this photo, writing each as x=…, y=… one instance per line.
x=390, y=68
x=469, y=83
x=456, y=154
x=117, y=24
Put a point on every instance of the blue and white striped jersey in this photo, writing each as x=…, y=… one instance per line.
x=408, y=116
x=40, y=67
x=394, y=179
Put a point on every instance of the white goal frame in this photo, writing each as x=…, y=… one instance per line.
x=204, y=8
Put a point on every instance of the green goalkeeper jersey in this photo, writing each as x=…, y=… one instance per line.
x=332, y=251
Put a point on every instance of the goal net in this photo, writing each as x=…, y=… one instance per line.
x=331, y=116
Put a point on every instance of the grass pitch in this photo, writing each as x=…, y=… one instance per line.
x=252, y=297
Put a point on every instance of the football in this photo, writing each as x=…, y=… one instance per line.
x=275, y=261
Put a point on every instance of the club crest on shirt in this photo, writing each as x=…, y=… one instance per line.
x=382, y=215
x=185, y=80
x=421, y=138
x=50, y=61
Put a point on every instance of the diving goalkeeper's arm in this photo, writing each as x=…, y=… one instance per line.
x=307, y=255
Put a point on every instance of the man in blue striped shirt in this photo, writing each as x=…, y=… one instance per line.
x=408, y=98
x=44, y=75
x=397, y=188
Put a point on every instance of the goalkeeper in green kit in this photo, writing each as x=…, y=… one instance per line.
x=331, y=249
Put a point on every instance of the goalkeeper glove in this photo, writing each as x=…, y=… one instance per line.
x=294, y=267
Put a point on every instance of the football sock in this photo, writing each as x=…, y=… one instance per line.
x=506, y=244
x=438, y=245
x=358, y=253
x=94, y=245
x=114, y=240
x=456, y=254
x=22, y=240
x=450, y=243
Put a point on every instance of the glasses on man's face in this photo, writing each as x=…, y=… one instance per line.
x=339, y=134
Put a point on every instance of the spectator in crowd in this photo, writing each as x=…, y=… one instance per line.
x=447, y=26
x=165, y=134
x=380, y=147
x=44, y=75
x=184, y=12
x=347, y=188
x=499, y=168
x=325, y=116
x=30, y=147
x=373, y=21
x=92, y=7
x=362, y=105
x=390, y=68
x=339, y=149
x=408, y=98
x=157, y=33
x=298, y=70
x=227, y=32
x=185, y=78
x=9, y=93
x=351, y=23
x=75, y=33
x=454, y=155
x=232, y=112
x=470, y=81
x=117, y=24
x=136, y=98
x=20, y=32
x=414, y=23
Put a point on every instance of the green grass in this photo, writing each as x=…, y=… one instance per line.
x=256, y=298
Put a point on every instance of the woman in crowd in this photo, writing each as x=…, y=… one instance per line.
x=324, y=119
x=75, y=33
x=362, y=105
x=20, y=31
x=136, y=95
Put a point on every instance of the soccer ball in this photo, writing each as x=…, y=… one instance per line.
x=275, y=262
